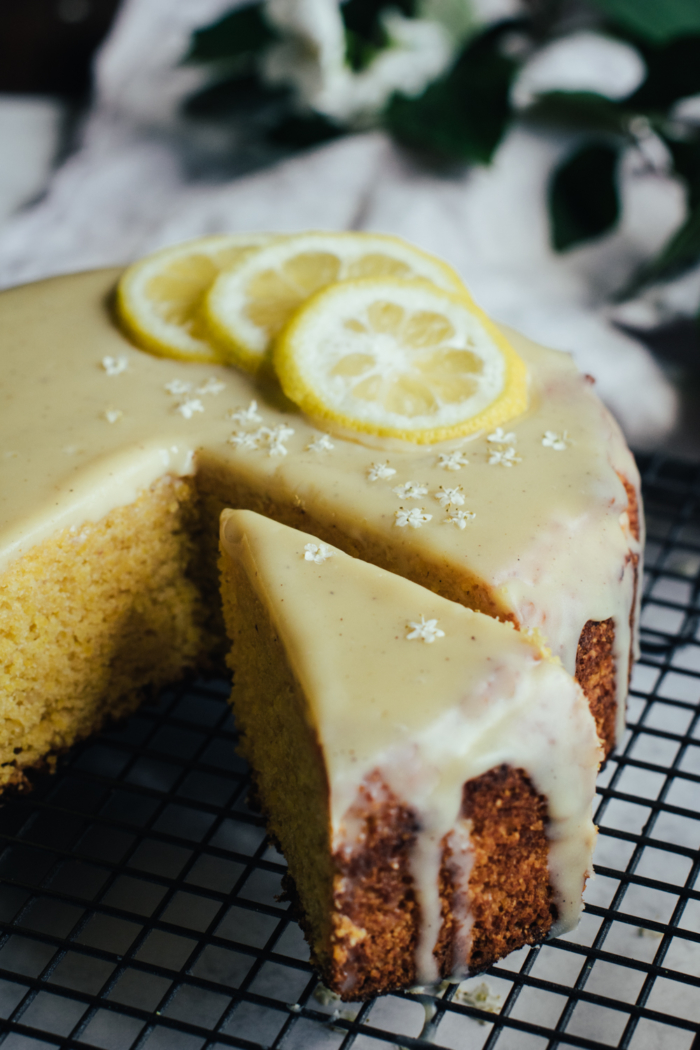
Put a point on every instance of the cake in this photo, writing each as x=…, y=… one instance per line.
x=427, y=771
x=118, y=464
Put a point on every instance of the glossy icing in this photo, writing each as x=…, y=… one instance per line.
x=87, y=422
x=433, y=714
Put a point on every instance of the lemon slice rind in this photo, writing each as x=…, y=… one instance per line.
x=228, y=305
x=323, y=356
x=155, y=322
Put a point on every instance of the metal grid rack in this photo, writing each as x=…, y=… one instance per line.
x=139, y=894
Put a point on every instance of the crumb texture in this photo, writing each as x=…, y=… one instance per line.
x=67, y=664
x=375, y=914
x=595, y=673
x=510, y=895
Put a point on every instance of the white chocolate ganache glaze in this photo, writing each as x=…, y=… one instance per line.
x=400, y=681
x=534, y=512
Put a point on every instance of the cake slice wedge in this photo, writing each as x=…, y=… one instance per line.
x=427, y=771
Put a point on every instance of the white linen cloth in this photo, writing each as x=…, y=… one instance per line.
x=126, y=191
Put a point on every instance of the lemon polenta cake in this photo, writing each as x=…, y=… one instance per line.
x=346, y=386
x=427, y=770
x=117, y=463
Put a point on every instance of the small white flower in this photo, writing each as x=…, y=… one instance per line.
x=380, y=471
x=211, y=386
x=317, y=553
x=189, y=407
x=499, y=437
x=450, y=497
x=177, y=386
x=452, y=460
x=320, y=444
x=114, y=366
x=246, y=415
x=556, y=441
x=244, y=439
x=411, y=490
x=459, y=518
x=425, y=631
x=414, y=517
x=506, y=457
x=279, y=433
x=113, y=415
x=275, y=438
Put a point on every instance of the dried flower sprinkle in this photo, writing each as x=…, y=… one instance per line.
x=380, y=471
x=424, y=631
x=505, y=457
x=177, y=387
x=322, y=443
x=499, y=437
x=411, y=490
x=317, y=553
x=189, y=407
x=414, y=517
x=114, y=366
x=556, y=441
x=211, y=386
x=450, y=497
x=452, y=460
x=244, y=416
x=460, y=518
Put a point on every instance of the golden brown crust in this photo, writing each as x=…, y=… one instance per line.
x=376, y=915
x=595, y=663
x=595, y=673
x=510, y=894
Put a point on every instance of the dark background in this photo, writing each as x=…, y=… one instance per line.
x=46, y=45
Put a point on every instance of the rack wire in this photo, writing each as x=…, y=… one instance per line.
x=139, y=895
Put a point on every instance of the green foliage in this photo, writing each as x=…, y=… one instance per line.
x=463, y=115
x=657, y=21
x=240, y=34
x=583, y=196
x=305, y=131
x=580, y=111
x=673, y=72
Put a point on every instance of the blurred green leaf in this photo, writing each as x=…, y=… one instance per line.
x=579, y=111
x=304, y=131
x=463, y=115
x=673, y=72
x=657, y=21
x=241, y=33
x=583, y=196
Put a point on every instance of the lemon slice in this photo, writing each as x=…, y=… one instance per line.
x=400, y=359
x=159, y=298
x=249, y=304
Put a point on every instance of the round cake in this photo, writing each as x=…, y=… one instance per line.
x=117, y=465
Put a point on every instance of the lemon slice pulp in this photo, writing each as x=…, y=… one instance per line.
x=159, y=298
x=400, y=359
x=250, y=303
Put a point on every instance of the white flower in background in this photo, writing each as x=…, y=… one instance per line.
x=582, y=61
x=312, y=59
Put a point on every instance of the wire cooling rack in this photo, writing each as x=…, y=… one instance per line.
x=140, y=896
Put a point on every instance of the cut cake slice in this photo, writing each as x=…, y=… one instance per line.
x=427, y=771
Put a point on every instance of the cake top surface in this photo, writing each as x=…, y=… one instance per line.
x=532, y=510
